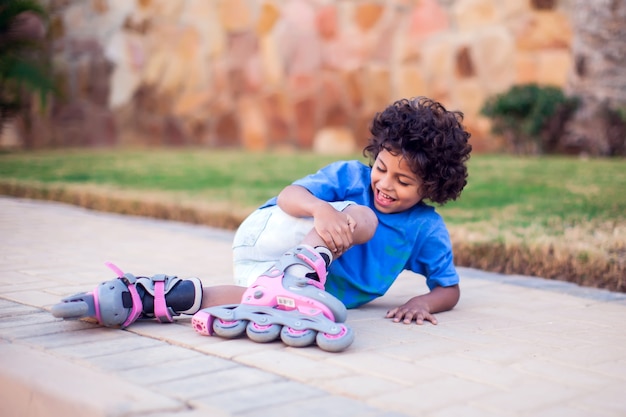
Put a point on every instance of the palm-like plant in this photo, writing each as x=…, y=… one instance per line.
x=23, y=63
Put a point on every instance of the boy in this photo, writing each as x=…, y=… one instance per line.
x=370, y=223
x=349, y=229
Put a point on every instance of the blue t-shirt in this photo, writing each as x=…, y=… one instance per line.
x=416, y=239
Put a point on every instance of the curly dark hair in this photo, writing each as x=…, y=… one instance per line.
x=430, y=138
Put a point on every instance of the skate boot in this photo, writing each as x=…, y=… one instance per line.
x=281, y=304
x=122, y=301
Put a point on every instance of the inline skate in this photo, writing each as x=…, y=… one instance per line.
x=121, y=301
x=280, y=304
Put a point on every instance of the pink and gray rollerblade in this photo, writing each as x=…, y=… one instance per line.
x=122, y=301
x=279, y=304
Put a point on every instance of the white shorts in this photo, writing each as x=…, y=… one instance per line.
x=264, y=236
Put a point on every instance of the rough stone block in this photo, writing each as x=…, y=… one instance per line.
x=544, y=29
x=367, y=14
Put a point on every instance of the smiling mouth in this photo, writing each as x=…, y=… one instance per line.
x=384, y=199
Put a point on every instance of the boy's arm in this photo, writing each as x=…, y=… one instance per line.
x=297, y=201
x=423, y=307
x=334, y=228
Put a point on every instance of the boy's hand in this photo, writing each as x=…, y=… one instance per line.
x=410, y=312
x=422, y=307
x=335, y=228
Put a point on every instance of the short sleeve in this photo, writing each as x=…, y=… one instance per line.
x=339, y=181
x=433, y=258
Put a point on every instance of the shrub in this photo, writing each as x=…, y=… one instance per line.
x=615, y=130
x=530, y=117
x=23, y=65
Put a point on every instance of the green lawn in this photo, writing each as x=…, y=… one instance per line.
x=560, y=207
x=529, y=190
x=515, y=191
x=244, y=179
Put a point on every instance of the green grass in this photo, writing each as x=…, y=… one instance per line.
x=243, y=179
x=511, y=191
x=523, y=191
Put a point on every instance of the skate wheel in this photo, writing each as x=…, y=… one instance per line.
x=70, y=310
x=337, y=342
x=229, y=329
x=263, y=333
x=297, y=338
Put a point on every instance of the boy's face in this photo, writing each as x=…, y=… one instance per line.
x=396, y=188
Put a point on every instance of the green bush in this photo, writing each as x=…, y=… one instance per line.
x=530, y=117
x=24, y=69
x=615, y=129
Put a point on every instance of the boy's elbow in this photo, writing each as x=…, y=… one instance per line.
x=453, y=296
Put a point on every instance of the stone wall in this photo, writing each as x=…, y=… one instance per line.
x=286, y=73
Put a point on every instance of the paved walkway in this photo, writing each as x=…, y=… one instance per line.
x=514, y=346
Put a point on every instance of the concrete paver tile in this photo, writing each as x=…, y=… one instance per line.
x=613, y=368
x=288, y=363
x=34, y=383
x=89, y=334
x=261, y=397
x=36, y=317
x=33, y=297
x=199, y=410
x=501, y=353
x=38, y=324
x=369, y=340
x=430, y=395
x=426, y=345
x=465, y=410
x=387, y=331
x=110, y=349
x=470, y=335
x=360, y=387
x=185, y=337
x=608, y=402
x=140, y=354
x=9, y=309
x=10, y=278
x=496, y=375
x=213, y=382
x=232, y=348
x=374, y=364
x=545, y=335
x=566, y=410
x=528, y=396
x=163, y=331
x=173, y=368
x=327, y=407
x=573, y=375
x=63, y=272
x=586, y=355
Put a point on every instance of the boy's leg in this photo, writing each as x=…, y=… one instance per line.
x=221, y=294
x=262, y=239
x=267, y=234
x=259, y=242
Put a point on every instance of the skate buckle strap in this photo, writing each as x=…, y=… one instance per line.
x=312, y=258
x=129, y=280
x=135, y=312
x=161, y=311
